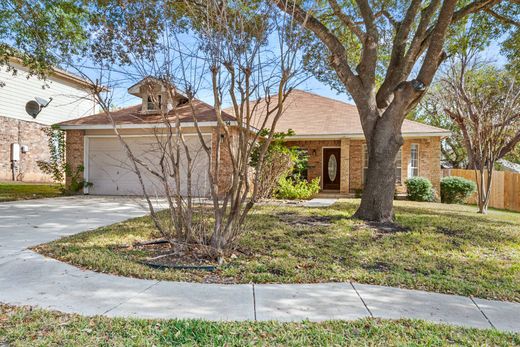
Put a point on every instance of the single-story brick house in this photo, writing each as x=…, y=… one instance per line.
x=329, y=130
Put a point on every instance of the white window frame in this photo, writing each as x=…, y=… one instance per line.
x=413, y=171
x=398, y=169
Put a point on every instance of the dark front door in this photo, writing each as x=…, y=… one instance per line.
x=331, y=168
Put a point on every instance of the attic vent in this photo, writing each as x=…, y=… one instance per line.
x=182, y=102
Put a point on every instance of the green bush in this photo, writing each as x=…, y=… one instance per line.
x=455, y=190
x=297, y=188
x=420, y=189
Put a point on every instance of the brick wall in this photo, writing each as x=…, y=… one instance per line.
x=74, y=149
x=24, y=133
x=356, y=165
x=429, y=162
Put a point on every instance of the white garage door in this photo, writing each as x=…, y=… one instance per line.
x=112, y=173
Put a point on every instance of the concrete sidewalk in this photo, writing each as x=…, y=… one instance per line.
x=27, y=278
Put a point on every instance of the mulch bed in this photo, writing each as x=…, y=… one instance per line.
x=162, y=255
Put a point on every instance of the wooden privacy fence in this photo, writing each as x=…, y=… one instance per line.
x=505, y=188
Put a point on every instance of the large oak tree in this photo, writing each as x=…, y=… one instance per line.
x=385, y=55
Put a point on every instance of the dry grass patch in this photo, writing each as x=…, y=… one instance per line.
x=441, y=248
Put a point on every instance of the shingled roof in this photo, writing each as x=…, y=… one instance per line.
x=308, y=114
x=133, y=116
x=311, y=115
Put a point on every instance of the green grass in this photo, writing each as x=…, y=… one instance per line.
x=11, y=191
x=448, y=249
x=21, y=326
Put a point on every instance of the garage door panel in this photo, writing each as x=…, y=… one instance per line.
x=112, y=172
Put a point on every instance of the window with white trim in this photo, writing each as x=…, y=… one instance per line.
x=398, y=165
x=413, y=165
x=365, y=163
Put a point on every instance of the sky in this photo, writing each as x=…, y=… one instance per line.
x=125, y=77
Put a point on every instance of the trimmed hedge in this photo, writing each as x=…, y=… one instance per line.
x=420, y=189
x=455, y=190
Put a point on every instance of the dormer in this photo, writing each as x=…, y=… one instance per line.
x=155, y=96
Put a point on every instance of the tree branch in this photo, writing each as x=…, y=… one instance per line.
x=339, y=55
x=367, y=66
x=502, y=18
x=347, y=20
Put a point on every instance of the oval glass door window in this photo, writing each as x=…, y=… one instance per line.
x=332, y=167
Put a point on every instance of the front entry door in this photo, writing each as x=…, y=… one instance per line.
x=331, y=168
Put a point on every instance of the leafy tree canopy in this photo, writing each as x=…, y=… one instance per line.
x=39, y=32
x=478, y=29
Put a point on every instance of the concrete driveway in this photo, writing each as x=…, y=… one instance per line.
x=27, y=278
x=29, y=223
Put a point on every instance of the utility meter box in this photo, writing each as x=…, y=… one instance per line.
x=15, y=152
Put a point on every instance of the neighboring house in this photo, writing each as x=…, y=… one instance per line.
x=329, y=130
x=22, y=136
x=506, y=165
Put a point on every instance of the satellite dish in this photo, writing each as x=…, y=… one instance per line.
x=43, y=102
x=32, y=108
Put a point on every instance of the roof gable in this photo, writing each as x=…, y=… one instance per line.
x=133, y=116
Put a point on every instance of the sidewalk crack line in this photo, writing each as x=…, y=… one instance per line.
x=254, y=302
x=489, y=321
x=363, y=301
x=125, y=301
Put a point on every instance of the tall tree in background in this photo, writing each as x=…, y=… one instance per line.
x=452, y=147
x=484, y=102
x=40, y=32
x=385, y=55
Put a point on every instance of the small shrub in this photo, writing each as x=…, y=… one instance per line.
x=57, y=167
x=455, y=190
x=420, y=189
x=297, y=188
x=279, y=161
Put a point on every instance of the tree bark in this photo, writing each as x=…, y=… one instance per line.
x=379, y=186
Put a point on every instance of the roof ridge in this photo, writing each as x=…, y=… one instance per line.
x=425, y=124
x=325, y=97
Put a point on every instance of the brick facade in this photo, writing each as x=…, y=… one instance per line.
x=26, y=133
x=352, y=161
x=74, y=149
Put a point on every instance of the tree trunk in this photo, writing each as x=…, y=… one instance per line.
x=484, y=193
x=379, y=186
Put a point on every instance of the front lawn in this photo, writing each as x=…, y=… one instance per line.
x=442, y=248
x=11, y=191
x=20, y=326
